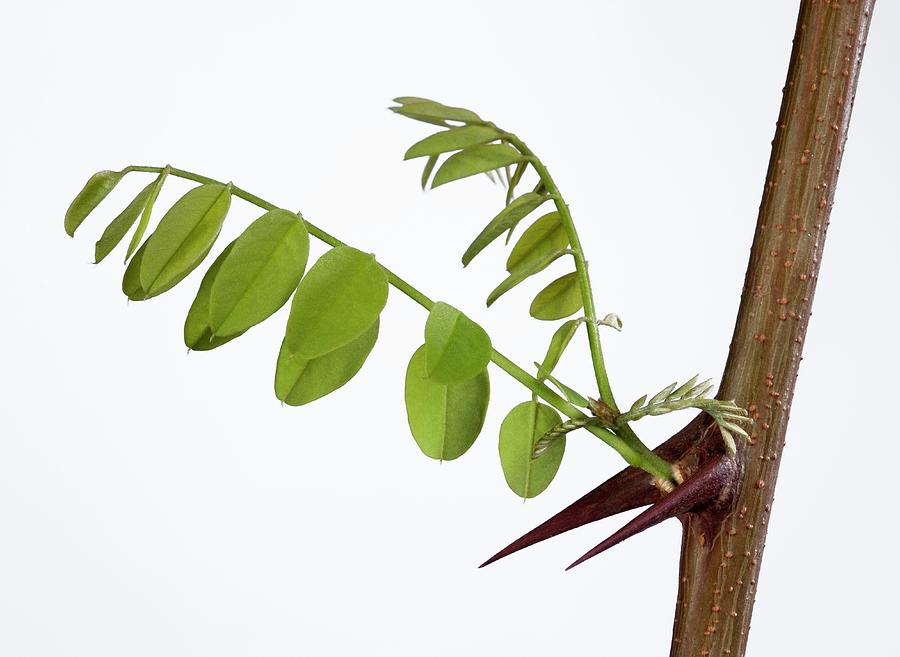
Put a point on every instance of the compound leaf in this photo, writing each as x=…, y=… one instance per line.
x=94, y=191
x=546, y=235
x=445, y=418
x=558, y=300
x=475, y=160
x=521, y=429
x=507, y=219
x=119, y=226
x=299, y=380
x=260, y=273
x=185, y=233
x=456, y=347
x=452, y=140
x=339, y=298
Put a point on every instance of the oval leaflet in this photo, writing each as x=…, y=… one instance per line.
x=259, y=274
x=339, y=298
x=521, y=429
x=445, y=419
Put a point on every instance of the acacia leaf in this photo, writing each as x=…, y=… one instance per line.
x=94, y=191
x=456, y=347
x=119, y=227
x=260, y=273
x=198, y=336
x=523, y=271
x=145, y=214
x=558, y=300
x=430, y=111
x=558, y=343
x=339, y=298
x=186, y=231
x=507, y=219
x=544, y=236
x=299, y=380
x=475, y=160
x=453, y=139
x=521, y=429
x=445, y=418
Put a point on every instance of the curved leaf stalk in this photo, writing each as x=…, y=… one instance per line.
x=584, y=280
x=627, y=445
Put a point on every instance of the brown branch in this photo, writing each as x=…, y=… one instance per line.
x=719, y=571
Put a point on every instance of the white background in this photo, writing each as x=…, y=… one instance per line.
x=157, y=503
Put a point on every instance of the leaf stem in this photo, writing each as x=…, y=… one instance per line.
x=581, y=267
x=631, y=449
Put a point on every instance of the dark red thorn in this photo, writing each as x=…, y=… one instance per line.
x=713, y=484
x=629, y=489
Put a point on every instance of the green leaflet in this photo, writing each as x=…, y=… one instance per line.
x=445, y=419
x=523, y=271
x=340, y=297
x=521, y=429
x=507, y=219
x=187, y=230
x=544, y=236
x=456, y=347
x=474, y=160
x=145, y=215
x=426, y=172
x=299, y=381
x=260, y=274
x=558, y=300
x=429, y=111
x=119, y=226
x=452, y=140
x=198, y=336
x=131, y=281
x=558, y=344
x=94, y=191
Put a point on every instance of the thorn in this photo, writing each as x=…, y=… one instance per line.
x=629, y=489
x=700, y=490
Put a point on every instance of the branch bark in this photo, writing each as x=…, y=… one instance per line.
x=721, y=556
